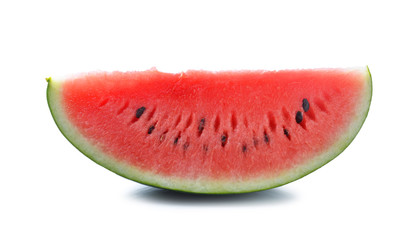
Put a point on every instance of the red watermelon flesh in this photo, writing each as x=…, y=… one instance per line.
x=212, y=132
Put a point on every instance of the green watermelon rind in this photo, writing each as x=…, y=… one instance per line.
x=203, y=186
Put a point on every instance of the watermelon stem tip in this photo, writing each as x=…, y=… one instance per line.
x=48, y=79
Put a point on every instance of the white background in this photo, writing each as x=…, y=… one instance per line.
x=49, y=190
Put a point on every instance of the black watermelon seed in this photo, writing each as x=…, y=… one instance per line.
x=139, y=112
x=244, y=148
x=223, y=140
x=176, y=140
x=266, y=138
x=150, y=129
x=299, y=117
x=201, y=125
x=306, y=105
x=286, y=132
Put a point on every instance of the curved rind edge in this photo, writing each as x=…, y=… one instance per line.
x=204, y=186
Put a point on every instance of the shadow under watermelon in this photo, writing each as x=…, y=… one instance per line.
x=164, y=196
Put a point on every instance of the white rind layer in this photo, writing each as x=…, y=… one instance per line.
x=203, y=185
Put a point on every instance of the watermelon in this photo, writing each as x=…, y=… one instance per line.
x=212, y=132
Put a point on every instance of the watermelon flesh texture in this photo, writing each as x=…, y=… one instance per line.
x=212, y=132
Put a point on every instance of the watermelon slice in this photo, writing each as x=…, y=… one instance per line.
x=212, y=132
